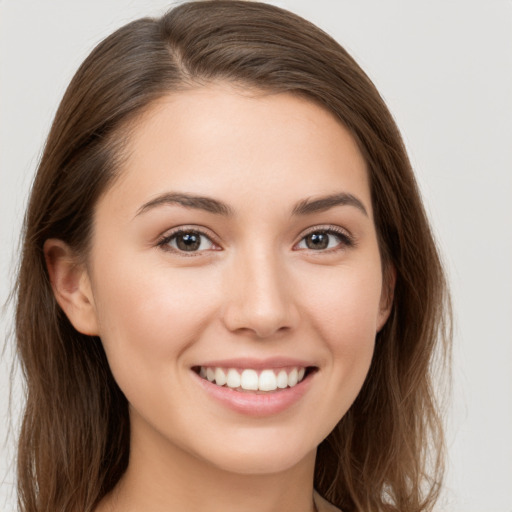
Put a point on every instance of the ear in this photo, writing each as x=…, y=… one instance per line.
x=387, y=295
x=71, y=286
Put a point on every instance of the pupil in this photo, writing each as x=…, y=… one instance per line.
x=317, y=241
x=188, y=242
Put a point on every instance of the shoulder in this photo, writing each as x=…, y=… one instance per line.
x=322, y=505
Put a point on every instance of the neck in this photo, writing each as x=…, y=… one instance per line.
x=170, y=479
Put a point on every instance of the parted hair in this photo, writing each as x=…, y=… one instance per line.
x=386, y=453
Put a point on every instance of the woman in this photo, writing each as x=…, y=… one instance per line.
x=229, y=295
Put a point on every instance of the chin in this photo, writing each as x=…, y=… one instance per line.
x=262, y=463
x=259, y=458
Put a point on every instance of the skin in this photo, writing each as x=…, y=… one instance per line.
x=256, y=290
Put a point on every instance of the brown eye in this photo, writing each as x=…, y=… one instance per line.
x=325, y=239
x=319, y=240
x=188, y=241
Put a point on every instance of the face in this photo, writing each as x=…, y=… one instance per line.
x=237, y=244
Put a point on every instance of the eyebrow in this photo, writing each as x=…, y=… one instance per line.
x=188, y=201
x=304, y=207
x=308, y=206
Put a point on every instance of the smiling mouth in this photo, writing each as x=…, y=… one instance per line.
x=254, y=381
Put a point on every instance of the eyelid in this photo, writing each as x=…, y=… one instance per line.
x=347, y=239
x=165, y=238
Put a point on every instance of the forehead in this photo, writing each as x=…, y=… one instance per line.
x=245, y=147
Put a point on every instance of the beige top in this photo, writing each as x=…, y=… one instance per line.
x=322, y=505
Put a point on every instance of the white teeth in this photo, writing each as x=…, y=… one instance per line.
x=210, y=374
x=249, y=380
x=220, y=377
x=267, y=380
x=282, y=379
x=293, y=377
x=233, y=379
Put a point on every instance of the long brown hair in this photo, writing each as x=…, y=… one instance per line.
x=385, y=454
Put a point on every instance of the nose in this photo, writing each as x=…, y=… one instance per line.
x=259, y=296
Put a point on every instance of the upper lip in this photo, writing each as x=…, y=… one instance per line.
x=257, y=364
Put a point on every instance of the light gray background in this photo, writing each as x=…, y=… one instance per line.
x=445, y=69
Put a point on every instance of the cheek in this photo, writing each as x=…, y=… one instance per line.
x=345, y=314
x=347, y=305
x=152, y=314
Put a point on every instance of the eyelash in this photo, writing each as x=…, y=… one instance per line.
x=165, y=241
x=346, y=240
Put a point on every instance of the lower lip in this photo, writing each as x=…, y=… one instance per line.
x=252, y=404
